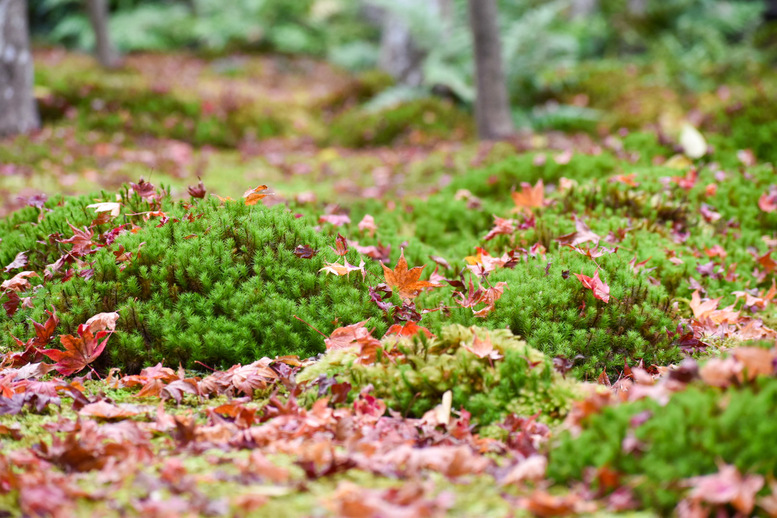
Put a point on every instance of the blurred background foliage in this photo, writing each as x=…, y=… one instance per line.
x=549, y=48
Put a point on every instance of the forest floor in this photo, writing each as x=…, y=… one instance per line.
x=594, y=333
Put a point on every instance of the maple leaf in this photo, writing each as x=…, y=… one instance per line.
x=111, y=207
x=350, y=337
x=305, y=252
x=626, y=179
x=79, y=351
x=408, y=329
x=81, y=240
x=344, y=269
x=407, y=281
x=595, y=284
x=109, y=411
x=367, y=224
x=482, y=348
x=727, y=486
x=501, y=227
x=342, y=245
x=703, y=309
x=103, y=322
x=489, y=298
x=144, y=189
x=19, y=261
x=768, y=200
x=253, y=196
x=18, y=282
x=197, y=191
x=338, y=220
x=581, y=235
x=529, y=196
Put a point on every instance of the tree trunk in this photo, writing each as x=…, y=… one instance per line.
x=98, y=16
x=770, y=13
x=492, y=108
x=18, y=112
x=582, y=8
x=399, y=56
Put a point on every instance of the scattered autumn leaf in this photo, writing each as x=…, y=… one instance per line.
x=407, y=281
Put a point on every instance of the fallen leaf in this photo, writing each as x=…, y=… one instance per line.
x=253, y=196
x=600, y=289
x=79, y=351
x=18, y=282
x=111, y=207
x=407, y=281
x=482, y=348
x=693, y=143
x=529, y=197
x=19, y=261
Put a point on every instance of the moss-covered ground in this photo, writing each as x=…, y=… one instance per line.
x=592, y=331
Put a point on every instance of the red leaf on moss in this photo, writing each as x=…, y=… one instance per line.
x=79, y=351
x=595, y=284
x=408, y=329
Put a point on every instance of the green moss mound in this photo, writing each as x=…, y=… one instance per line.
x=411, y=375
x=422, y=119
x=215, y=284
x=687, y=437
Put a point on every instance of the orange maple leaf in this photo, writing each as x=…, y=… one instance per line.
x=406, y=280
x=252, y=196
x=79, y=351
x=529, y=196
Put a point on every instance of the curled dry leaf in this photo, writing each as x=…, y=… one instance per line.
x=103, y=322
x=18, y=282
x=253, y=196
x=111, y=207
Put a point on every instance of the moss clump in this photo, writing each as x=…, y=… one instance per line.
x=412, y=121
x=411, y=375
x=215, y=284
x=687, y=437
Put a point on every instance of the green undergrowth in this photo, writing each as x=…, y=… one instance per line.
x=412, y=374
x=698, y=429
x=112, y=106
x=408, y=122
x=220, y=285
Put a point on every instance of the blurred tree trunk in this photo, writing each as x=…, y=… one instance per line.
x=400, y=57
x=582, y=8
x=18, y=112
x=492, y=107
x=98, y=16
x=770, y=13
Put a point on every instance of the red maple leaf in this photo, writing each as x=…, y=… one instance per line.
x=595, y=284
x=79, y=351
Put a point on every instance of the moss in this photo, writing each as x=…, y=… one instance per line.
x=412, y=375
x=218, y=285
x=687, y=437
x=411, y=122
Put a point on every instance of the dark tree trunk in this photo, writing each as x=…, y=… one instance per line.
x=770, y=13
x=98, y=16
x=492, y=107
x=18, y=112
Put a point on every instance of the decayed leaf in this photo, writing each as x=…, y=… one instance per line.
x=253, y=196
x=19, y=261
x=197, y=191
x=595, y=284
x=407, y=281
x=529, y=197
x=18, y=282
x=79, y=351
